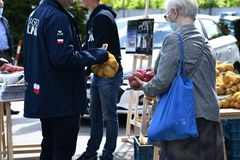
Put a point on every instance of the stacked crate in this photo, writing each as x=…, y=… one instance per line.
x=142, y=152
x=231, y=130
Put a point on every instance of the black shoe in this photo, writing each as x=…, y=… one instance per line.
x=105, y=157
x=12, y=112
x=84, y=156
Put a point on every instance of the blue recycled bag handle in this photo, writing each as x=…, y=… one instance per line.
x=181, y=64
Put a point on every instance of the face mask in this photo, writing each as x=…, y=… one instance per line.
x=1, y=11
x=173, y=25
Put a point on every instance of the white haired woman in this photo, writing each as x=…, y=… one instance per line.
x=200, y=62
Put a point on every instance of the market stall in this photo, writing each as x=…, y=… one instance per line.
x=12, y=89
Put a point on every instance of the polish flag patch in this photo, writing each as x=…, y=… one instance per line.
x=60, y=41
x=36, y=88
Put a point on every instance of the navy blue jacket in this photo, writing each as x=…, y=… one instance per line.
x=9, y=36
x=54, y=63
x=102, y=28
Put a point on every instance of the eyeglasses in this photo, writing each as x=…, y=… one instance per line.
x=166, y=17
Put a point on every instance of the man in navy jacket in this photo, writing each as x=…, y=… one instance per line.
x=55, y=76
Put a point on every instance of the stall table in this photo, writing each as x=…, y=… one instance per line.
x=229, y=113
x=6, y=133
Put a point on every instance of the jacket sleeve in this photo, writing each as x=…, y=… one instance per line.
x=9, y=36
x=166, y=68
x=63, y=46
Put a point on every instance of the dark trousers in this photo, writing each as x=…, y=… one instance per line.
x=208, y=146
x=59, y=137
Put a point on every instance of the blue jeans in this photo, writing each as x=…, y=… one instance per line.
x=103, y=110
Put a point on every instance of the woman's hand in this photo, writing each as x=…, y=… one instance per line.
x=141, y=83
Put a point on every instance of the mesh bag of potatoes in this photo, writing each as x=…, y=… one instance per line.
x=227, y=83
x=107, y=69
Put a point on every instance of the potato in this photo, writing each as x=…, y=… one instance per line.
x=238, y=98
x=94, y=68
x=110, y=56
x=226, y=78
x=229, y=99
x=116, y=68
x=234, y=88
x=107, y=69
x=232, y=104
x=218, y=62
x=228, y=67
x=237, y=105
x=225, y=103
x=220, y=91
x=134, y=84
x=100, y=72
x=228, y=85
x=108, y=72
x=220, y=68
x=217, y=72
x=112, y=63
x=234, y=97
x=235, y=79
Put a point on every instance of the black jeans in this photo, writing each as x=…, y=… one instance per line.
x=59, y=137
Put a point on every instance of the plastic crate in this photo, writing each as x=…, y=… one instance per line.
x=142, y=152
x=234, y=158
x=231, y=129
x=233, y=147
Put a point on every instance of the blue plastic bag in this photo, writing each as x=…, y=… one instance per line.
x=174, y=118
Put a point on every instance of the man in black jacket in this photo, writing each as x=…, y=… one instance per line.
x=6, y=42
x=102, y=29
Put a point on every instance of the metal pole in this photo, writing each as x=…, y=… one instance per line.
x=123, y=6
x=146, y=9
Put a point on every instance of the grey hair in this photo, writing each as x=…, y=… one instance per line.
x=186, y=8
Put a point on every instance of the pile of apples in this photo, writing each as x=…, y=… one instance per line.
x=11, y=68
x=144, y=75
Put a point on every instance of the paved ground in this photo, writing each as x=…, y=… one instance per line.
x=28, y=131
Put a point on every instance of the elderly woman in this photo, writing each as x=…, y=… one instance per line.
x=199, y=55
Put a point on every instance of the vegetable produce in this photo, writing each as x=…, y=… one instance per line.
x=227, y=83
x=108, y=69
x=11, y=68
x=144, y=75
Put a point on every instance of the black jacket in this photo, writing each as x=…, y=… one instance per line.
x=102, y=28
x=9, y=36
